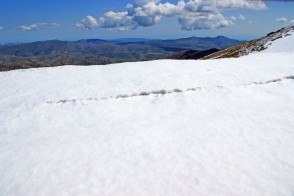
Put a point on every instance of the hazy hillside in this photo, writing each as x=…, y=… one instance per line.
x=84, y=52
x=194, y=43
x=99, y=52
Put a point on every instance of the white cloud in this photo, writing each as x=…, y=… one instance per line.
x=88, y=23
x=1, y=28
x=241, y=17
x=139, y=3
x=123, y=29
x=55, y=24
x=233, y=18
x=80, y=25
x=150, y=13
x=191, y=14
x=29, y=27
x=240, y=4
x=115, y=19
x=92, y=21
x=281, y=20
x=292, y=21
x=208, y=21
x=129, y=6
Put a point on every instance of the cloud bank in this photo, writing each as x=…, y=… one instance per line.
x=191, y=14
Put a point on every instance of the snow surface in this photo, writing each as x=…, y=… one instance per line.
x=284, y=44
x=226, y=130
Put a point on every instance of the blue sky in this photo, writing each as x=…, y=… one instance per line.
x=33, y=20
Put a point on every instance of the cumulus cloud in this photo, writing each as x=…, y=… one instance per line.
x=191, y=14
x=88, y=23
x=29, y=27
x=115, y=19
x=241, y=4
x=139, y=3
x=208, y=21
x=292, y=21
x=281, y=20
x=129, y=6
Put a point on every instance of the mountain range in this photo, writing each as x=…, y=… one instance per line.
x=100, y=52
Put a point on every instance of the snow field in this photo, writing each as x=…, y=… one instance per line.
x=232, y=136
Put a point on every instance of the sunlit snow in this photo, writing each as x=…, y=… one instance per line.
x=167, y=127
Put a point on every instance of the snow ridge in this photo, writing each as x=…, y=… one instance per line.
x=279, y=41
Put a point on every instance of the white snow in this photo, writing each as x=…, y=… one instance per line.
x=63, y=132
x=284, y=44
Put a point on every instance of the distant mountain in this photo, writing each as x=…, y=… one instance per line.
x=130, y=40
x=214, y=44
x=194, y=43
x=93, y=41
x=254, y=46
x=99, y=52
x=10, y=44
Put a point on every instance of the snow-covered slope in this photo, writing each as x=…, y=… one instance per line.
x=281, y=45
x=213, y=127
x=275, y=42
